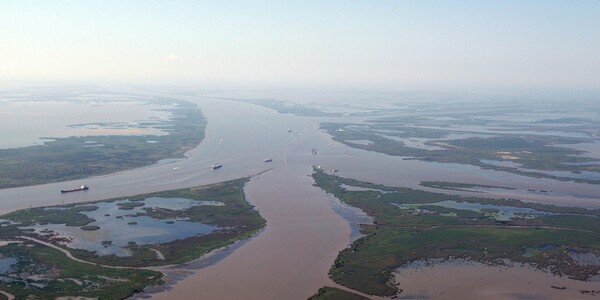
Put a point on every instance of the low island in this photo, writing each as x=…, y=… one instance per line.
x=412, y=226
x=89, y=249
x=61, y=159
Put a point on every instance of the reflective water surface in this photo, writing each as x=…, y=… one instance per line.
x=290, y=258
x=118, y=226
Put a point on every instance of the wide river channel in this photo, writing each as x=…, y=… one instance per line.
x=291, y=257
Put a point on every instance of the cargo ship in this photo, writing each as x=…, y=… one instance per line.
x=214, y=167
x=81, y=188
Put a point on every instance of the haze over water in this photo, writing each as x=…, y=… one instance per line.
x=299, y=216
x=514, y=68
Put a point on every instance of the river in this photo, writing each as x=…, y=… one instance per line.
x=290, y=258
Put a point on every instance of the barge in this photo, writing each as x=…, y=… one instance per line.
x=81, y=188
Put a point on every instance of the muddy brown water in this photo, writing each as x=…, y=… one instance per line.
x=471, y=280
x=290, y=258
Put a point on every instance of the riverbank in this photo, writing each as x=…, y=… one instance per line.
x=412, y=226
x=290, y=258
x=165, y=228
x=100, y=152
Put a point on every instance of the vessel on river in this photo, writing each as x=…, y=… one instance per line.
x=81, y=188
x=216, y=166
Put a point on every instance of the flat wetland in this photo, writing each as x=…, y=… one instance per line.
x=119, y=134
x=412, y=226
x=34, y=271
x=122, y=236
x=428, y=189
x=491, y=138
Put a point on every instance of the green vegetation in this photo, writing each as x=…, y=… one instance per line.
x=528, y=155
x=456, y=186
x=90, y=228
x=236, y=211
x=68, y=215
x=68, y=158
x=41, y=272
x=44, y=273
x=401, y=233
x=130, y=205
x=330, y=293
x=236, y=218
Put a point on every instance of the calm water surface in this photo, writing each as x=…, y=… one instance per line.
x=122, y=226
x=291, y=257
x=48, y=119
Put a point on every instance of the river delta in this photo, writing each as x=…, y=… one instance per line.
x=493, y=188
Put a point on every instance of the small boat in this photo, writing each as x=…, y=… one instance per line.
x=268, y=160
x=81, y=188
x=216, y=166
x=334, y=170
x=289, y=130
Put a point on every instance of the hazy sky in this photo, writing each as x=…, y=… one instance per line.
x=363, y=44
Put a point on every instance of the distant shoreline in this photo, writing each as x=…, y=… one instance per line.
x=71, y=158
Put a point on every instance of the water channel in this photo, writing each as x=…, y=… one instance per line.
x=290, y=258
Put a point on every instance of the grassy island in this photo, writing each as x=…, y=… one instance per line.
x=70, y=158
x=528, y=155
x=412, y=225
x=219, y=213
